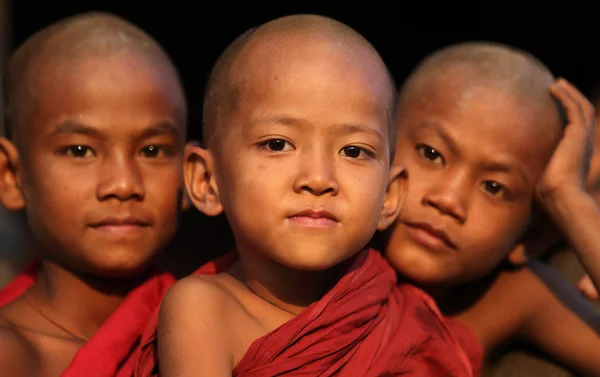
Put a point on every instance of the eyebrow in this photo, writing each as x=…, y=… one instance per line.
x=435, y=126
x=343, y=128
x=71, y=127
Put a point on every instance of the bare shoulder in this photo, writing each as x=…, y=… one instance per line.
x=195, y=315
x=524, y=289
x=502, y=308
x=18, y=357
x=197, y=295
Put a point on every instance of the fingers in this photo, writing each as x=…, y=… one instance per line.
x=581, y=118
x=586, y=287
x=579, y=109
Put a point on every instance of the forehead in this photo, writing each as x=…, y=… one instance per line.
x=486, y=123
x=111, y=84
x=313, y=71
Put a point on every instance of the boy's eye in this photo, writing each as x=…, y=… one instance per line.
x=352, y=151
x=494, y=188
x=152, y=151
x=79, y=151
x=430, y=154
x=276, y=145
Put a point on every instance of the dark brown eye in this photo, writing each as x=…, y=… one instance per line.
x=430, y=154
x=79, y=151
x=276, y=145
x=352, y=151
x=150, y=151
x=493, y=187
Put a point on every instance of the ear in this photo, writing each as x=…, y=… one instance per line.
x=11, y=194
x=186, y=202
x=394, y=196
x=541, y=237
x=518, y=255
x=200, y=183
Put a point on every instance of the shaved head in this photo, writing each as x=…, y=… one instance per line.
x=464, y=68
x=281, y=38
x=88, y=35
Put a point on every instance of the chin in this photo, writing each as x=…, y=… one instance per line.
x=121, y=265
x=421, y=271
x=313, y=260
x=308, y=264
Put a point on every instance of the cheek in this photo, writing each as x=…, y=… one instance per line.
x=495, y=234
x=55, y=209
x=164, y=189
x=252, y=187
x=420, y=183
x=164, y=180
x=58, y=189
x=365, y=191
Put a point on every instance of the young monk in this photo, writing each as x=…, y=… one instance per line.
x=476, y=160
x=299, y=136
x=96, y=115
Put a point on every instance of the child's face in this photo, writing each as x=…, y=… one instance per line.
x=302, y=166
x=473, y=159
x=102, y=163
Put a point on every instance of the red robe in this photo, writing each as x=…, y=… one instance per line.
x=365, y=325
x=113, y=350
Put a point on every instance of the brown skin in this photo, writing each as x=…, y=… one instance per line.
x=551, y=233
x=306, y=134
x=585, y=285
x=103, y=141
x=472, y=174
x=541, y=319
x=519, y=306
x=513, y=304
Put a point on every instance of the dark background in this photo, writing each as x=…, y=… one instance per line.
x=194, y=33
x=563, y=35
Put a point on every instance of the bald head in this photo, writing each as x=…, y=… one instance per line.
x=293, y=38
x=89, y=35
x=463, y=68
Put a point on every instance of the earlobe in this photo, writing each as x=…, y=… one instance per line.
x=394, y=197
x=11, y=194
x=518, y=255
x=200, y=183
x=186, y=202
x=541, y=237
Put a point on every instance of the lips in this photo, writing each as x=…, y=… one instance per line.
x=122, y=224
x=314, y=218
x=428, y=234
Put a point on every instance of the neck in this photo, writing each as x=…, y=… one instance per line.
x=453, y=300
x=289, y=289
x=78, y=301
x=439, y=293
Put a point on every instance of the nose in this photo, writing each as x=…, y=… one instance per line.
x=316, y=173
x=120, y=178
x=450, y=194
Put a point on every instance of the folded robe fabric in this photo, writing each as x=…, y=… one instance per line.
x=114, y=349
x=468, y=342
x=365, y=325
x=20, y=283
